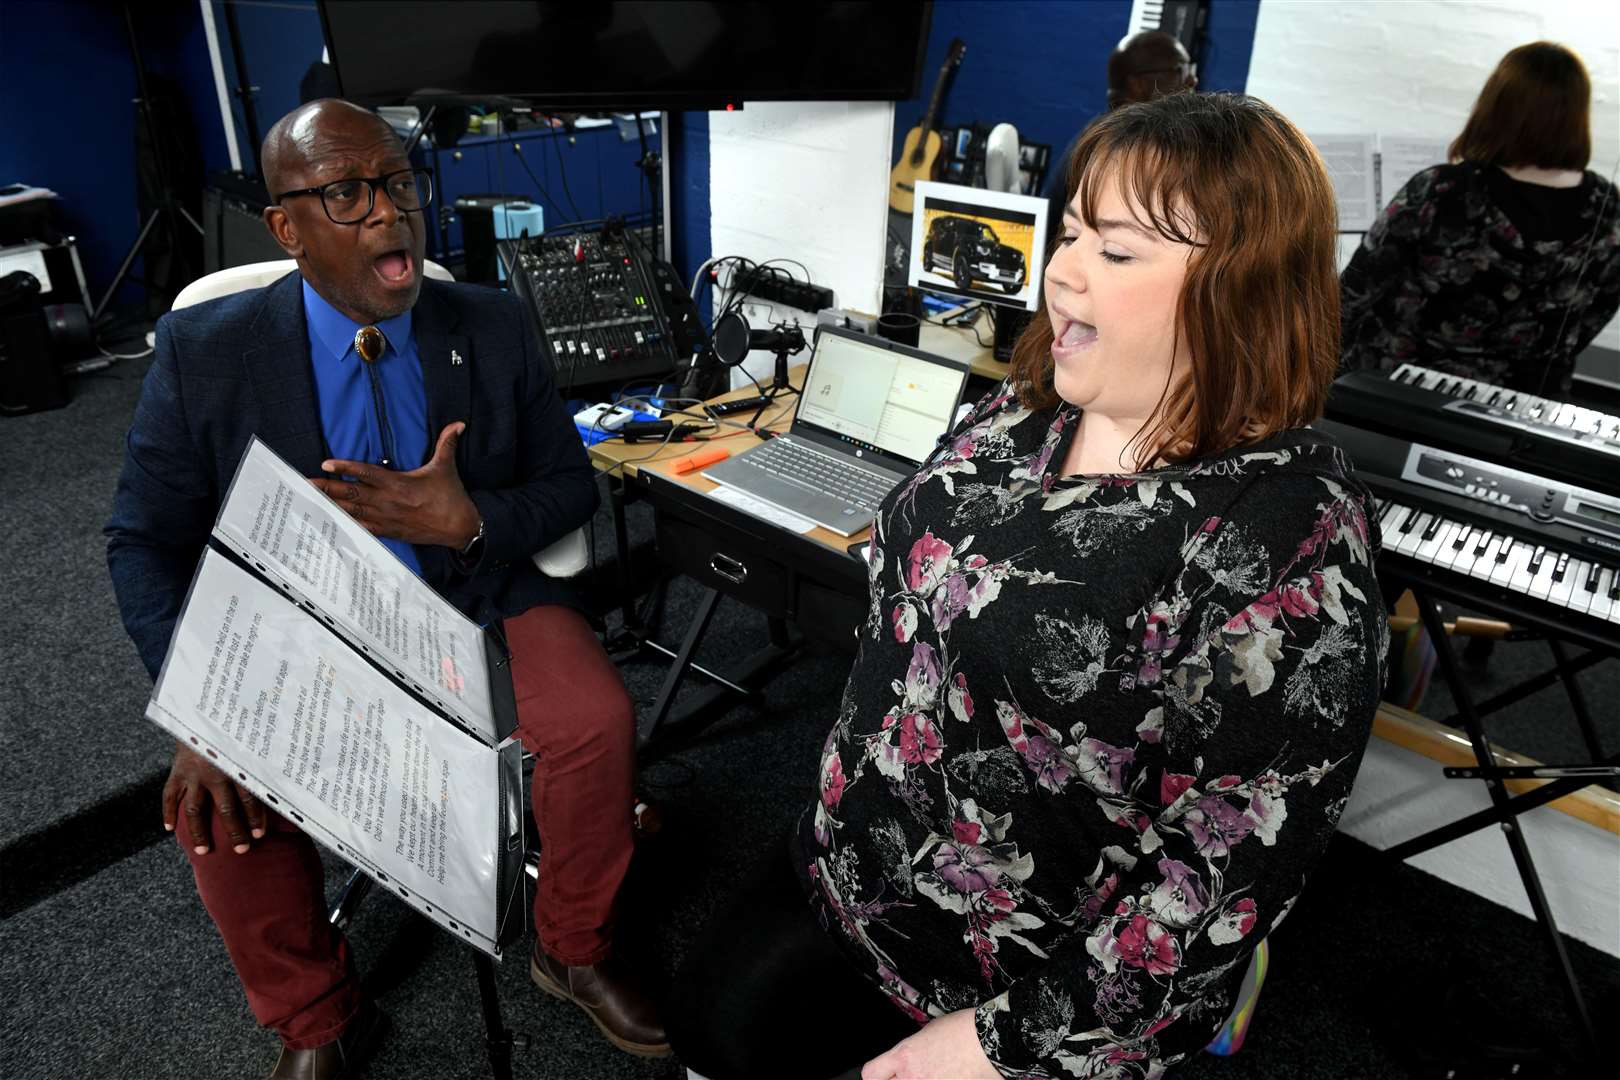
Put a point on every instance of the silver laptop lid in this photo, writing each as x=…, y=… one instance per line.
x=874, y=398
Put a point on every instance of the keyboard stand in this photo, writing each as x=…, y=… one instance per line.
x=1505, y=807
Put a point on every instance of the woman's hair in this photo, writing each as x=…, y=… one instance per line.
x=1259, y=309
x=1534, y=110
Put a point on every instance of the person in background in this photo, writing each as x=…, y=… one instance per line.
x=1123, y=654
x=1142, y=67
x=1504, y=264
x=486, y=470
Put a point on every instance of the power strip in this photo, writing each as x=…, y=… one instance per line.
x=780, y=289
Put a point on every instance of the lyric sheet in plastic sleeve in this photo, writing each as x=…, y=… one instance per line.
x=290, y=711
x=284, y=525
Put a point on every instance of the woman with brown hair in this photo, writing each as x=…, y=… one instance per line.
x=1504, y=264
x=1121, y=663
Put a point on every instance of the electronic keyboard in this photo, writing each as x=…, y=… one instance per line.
x=1530, y=547
x=1549, y=438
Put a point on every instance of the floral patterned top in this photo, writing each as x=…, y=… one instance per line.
x=1446, y=279
x=1098, y=732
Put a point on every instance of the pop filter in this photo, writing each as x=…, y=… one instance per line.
x=734, y=339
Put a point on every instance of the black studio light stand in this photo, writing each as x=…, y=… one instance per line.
x=169, y=210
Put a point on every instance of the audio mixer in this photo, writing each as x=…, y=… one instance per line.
x=598, y=305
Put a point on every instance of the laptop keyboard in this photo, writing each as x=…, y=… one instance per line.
x=830, y=475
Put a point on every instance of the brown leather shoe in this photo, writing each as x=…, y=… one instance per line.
x=623, y=1012
x=339, y=1059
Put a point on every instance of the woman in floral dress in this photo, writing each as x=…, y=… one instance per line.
x=1124, y=649
x=1503, y=265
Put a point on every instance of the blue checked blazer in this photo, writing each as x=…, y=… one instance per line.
x=239, y=366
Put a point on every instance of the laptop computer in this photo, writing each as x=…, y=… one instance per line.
x=871, y=411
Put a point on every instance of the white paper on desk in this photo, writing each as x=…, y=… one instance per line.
x=1401, y=157
x=282, y=524
x=1349, y=160
x=759, y=508
x=293, y=713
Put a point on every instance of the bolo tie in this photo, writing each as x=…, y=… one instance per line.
x=369, y=343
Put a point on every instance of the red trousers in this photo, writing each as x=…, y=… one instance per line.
x=575, y=716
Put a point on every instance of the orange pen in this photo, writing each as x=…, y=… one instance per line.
x=701, y=458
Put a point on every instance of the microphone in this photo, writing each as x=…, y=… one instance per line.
x=734, y=338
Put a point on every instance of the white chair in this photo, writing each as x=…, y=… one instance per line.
x=234, y=279
x=563, y=559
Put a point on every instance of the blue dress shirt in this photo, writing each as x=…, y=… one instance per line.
x=343, y=390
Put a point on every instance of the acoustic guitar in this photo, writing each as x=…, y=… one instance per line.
x=920, y=156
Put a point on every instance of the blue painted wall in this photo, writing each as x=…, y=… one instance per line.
x=689, y=211
x=279, y=42
x=1041, y=65
x=66, y=89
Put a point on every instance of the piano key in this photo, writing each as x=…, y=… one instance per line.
x=1433, y=527
x=1463, y=561
x=1562, y=569
x=1508, y=557
x=1542, y=581
x=1537, y=557
x=1391, y=521
x=1485, y=563
x=1408, y=540
x=1563, y=590
x=1435, y=540
x=1460, y=544
x=1601, y=606
x=1593, y=572
x=1517, y=577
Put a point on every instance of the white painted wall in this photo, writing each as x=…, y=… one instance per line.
x=1414, y=67
x=806, y=181
x=1400, y=794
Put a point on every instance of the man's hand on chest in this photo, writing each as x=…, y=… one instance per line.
x=426, y=506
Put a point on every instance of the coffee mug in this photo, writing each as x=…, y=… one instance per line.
x=899, y=326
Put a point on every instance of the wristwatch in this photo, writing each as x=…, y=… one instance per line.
x=470, y=552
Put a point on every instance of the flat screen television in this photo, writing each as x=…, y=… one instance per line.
x=591, y=55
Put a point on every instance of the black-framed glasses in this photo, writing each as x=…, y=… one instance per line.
x=349, y=202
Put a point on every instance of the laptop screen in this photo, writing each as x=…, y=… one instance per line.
x=878, y=397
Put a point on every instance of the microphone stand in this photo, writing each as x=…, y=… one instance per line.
x=790, y=342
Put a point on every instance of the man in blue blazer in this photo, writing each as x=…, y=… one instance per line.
x=427, y=411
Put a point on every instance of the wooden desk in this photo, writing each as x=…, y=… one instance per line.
x=807, y=579
x=632, y=460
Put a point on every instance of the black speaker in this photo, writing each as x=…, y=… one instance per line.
x=477, y=214
x=1010, y=323
x=29, y=381
x=233, y=223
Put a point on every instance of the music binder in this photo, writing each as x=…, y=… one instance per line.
x=320, y=673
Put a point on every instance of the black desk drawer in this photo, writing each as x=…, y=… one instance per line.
x=829, y=615
x=737, y=566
